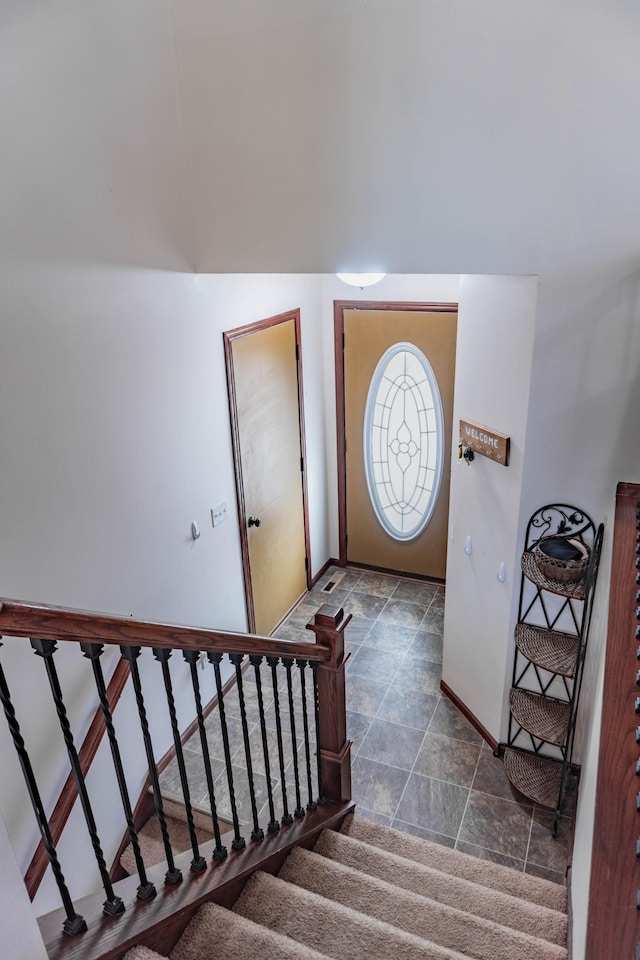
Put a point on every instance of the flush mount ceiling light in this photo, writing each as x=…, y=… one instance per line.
x=361, y=279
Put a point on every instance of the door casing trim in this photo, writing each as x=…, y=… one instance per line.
x=229, y=336
x=339, y=307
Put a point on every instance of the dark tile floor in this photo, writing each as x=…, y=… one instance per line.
x=417, y=764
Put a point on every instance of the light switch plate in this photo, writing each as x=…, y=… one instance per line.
x=220, y=513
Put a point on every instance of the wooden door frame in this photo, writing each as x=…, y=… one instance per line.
x=229, y=336
x=339, y=307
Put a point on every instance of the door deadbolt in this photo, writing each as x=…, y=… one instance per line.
x=254, y=522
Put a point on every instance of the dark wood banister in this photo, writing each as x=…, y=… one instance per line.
x=19, y=619
x=159, y=924
x=110, y=937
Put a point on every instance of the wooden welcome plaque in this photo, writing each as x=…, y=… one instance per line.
x=487, y=442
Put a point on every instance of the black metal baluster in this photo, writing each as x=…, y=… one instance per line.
x=299, y=810
x=93, y=651
x=45, y=649
x=192, y=657
x=273, y=825
x=236, y=659
x=74, y=923
x=198, y=864
x=173, y=875
x=316, y=709
x=286, y=816
x=311, y=805
x=238, y=842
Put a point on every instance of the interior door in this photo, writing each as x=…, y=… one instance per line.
x=370, y=337
x=265, y=389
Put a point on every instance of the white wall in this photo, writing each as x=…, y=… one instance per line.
x=115, y=429
x=496, y=325
x=120, y=437
x=420, y=135
x=19, y=932
x=93, y=155
x=585, y=399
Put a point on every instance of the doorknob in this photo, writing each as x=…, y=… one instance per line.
x=254, y=522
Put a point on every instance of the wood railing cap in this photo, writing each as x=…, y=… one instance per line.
x=329, y=617
x=21, y=619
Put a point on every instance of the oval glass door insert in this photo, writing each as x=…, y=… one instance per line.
x=403, y=441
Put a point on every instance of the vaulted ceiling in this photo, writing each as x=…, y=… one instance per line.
x=412, y=135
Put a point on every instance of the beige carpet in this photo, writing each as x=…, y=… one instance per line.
x=150, y=836
x=511, y=911
x=489, y=874
x=370, y=892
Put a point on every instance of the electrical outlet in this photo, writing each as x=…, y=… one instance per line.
x=219, y=513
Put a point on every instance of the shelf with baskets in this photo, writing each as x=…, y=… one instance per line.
x=559, y=569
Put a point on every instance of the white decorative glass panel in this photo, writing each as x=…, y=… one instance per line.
x=403, y=441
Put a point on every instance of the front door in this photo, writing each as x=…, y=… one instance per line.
x=265, y=389
x=398, y=370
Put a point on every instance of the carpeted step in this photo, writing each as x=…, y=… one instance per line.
x=447, y=926
x=218, y=934
x=201, y=821
x=502, y=908
x=142, y=953
x=485, y=872
x=329, y=927
x=150, y=837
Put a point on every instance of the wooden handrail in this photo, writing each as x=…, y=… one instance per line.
x=63, y=624
x=19, y=619
x=158, y=925
x=613, y=929
x=69, y=793
x=43, y=624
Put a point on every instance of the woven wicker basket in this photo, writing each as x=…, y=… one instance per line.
x=565, y=571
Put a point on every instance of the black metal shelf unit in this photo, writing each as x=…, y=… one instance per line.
x=551, y=635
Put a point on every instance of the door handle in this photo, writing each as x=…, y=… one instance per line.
x=254, y=522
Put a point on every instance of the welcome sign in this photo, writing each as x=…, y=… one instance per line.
x=487, y=442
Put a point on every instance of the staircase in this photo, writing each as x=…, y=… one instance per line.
x=150, y=836
x=366, y=891
x=372, y=892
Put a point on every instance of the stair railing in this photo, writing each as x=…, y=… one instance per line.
x=298, y=688
x=69, y=794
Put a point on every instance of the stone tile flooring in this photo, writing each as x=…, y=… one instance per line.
x=417, y=764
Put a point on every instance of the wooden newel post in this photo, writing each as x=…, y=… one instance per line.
x=335, y=750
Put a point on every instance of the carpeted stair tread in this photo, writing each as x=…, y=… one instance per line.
x=216, y=933
x=329, y=927
x=466, y=895
x=448, y=926
x=142, y=953
x=150, y=840
x=372, y=893
x=202, y=821
x=494, y=875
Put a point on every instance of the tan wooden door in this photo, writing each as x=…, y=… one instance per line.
x=368, y=334
x=264, y=386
